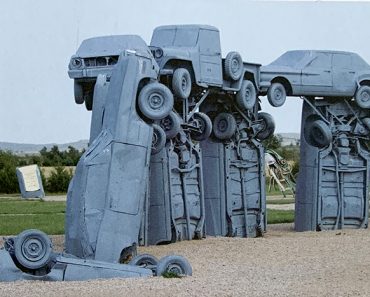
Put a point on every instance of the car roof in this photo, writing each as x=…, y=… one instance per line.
x=190, y=26
x=322, y=51
x=110, y=45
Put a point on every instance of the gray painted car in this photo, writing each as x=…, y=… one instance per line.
x=316, y=73
x=99, y=55
x=190, y=61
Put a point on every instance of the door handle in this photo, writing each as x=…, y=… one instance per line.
x=328, y=71
x=352, y=72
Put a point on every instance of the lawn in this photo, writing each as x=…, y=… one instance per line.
x=17, y=215
x=275, y=216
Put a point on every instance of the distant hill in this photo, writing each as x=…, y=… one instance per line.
x=289, y=138
x=26, y=148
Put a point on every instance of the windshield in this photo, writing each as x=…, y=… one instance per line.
x=175, y=37
x=291, y=58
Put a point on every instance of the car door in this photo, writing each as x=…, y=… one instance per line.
x=344, y=83
x=317, y=75
x=210, y=57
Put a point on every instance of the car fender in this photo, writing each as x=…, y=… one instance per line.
x=361, y=76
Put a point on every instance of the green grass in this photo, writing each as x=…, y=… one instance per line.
x=275, y=216
x=49, y=223
x=280, y=201
x=17, y=215
x=31, y=207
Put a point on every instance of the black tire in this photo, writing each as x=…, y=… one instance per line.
x=224, y=126
x=181, y=83
x=79, y=93
x=233, y=65
x=276, y=94
x=205, y=124
x=144, y=260
x=362, y=97
x=158, y=140
x=171, y=125
x=174, y=264
x=318, y=134
x=155, y=101
x=33, y=249
x=89, y=102
x=268, y=125
x=247, y=96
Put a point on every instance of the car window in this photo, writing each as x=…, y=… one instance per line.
x=291, y=58
x=209, y=41
x=341, y=61
x=358, y=62
x=186, y=37
x=163, y=37
x=322, y=60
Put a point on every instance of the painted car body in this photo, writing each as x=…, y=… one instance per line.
x=316, y=73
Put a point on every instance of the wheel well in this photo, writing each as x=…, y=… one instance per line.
x=174, y=64
x=250, y=76
x=365, y=82
x=285, y=83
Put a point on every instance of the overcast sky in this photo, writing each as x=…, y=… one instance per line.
x=39, y=37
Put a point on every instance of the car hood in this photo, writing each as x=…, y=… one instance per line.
x=111, y=46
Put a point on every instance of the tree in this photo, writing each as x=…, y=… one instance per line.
x=273, y=142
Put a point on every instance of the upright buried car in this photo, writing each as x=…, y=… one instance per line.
x=98, y=55
x=316, y=73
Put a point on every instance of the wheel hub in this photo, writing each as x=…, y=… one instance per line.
x=222, y=126
x=33, y=249
x=155, y=101
x=184, y=84
x=277, y=94
x=365, y=97
x=175, y=268
x=235, y=66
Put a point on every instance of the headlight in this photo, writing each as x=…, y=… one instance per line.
x=76, y=62
x=158, y=53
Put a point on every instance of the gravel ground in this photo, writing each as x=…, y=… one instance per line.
x=283, y=263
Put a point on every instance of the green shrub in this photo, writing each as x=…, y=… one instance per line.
x=58, y=180
x=8, y=177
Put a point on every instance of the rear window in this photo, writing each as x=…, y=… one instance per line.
x=291, y=58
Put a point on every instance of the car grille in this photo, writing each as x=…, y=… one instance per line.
x=101, y=61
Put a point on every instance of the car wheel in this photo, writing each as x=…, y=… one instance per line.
x=155, y=101
x=175, y=265
x=246, y=97
x=204, y=124
x=233, y=65
x=171, y=125
x=224, y=126
x=33, y=249
x=79, y=94
x=158, y=139
x=362, y=97
x=276, y=94
x=268, y=125
x=318, y=133
x=181, y=83
x=144, y=260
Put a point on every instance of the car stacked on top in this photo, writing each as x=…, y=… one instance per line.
x=316, y=73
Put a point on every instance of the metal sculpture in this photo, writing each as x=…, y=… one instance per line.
x=317, y=73
x=332, y=186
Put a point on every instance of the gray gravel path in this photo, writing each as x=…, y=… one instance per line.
x=283, y=263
